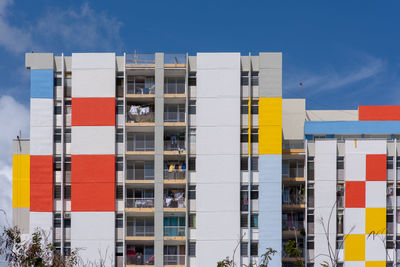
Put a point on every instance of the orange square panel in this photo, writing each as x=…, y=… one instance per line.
x=355, y=194
x=92, y=169
x=94, y=111
x=93, y=197
x=376, y=168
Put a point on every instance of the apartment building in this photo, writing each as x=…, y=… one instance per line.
x=176, y=160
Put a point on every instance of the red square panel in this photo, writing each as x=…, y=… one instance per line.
x=94, y=111
x=41, y=183
x=92, y=169
x=355, y=194
x=93, y=197
x=376, y=168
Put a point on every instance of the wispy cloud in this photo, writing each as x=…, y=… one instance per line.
x=333, y=79
x=71, y=29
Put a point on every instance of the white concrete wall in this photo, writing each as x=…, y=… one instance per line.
x=92, y=140
x=41, y=221
x=218, y=157
x=324, y=198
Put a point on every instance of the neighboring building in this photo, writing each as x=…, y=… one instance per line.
x=169, y=159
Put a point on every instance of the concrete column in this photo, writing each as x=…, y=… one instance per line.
x=159, y=162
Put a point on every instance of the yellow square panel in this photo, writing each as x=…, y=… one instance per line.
x=21, y=181
x=375, y=264
x=354, y=248
x=270, y=125
x=375, y=221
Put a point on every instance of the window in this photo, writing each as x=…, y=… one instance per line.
x=243, y=221
x=310, y=169
x=192, y=135
x=244, y=107
x=192, y=248
x=244, y=164
x=67, y=248
x=192, y=78
x=119, y=220
x=57, y=110
x=67, y=223
x=119, y=192
x=192, y=107
x=119, y=249
x=244, y=199
x=254, y=163
x=254, y=249
x=192, y=192
x=58, y=81
x=339, y=242
x=67, y=192
x=389, y=163
x=254, y=78
x=243, y=249
x=192, y=220
x=67, y=164
x=57, y=164
x=254, y=220
x=310, y=244
x=244, y=80
x=57, y=135
x=120, y=164
x=192, y=164
x=67, y=135
x=120, y=107
x=174, y=85
x=57, y=220
x=254, y=135
x=244, y=135
x=57, y=192
x=119, y=136
x=254, y=107
x=254, y=192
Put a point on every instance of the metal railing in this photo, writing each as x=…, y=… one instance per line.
x=132, y=175
x=140, y=89
x=174, y=259
x=140, y=58
x=177, y=58
x=174, y=174
x=293, y=199
x=174, y=116
x=292, y=225
x=142, y=145
x=174, y=230
x=174, y=145
x=135, y=230
x=140, y=202
x=177, y=87
x=174, y=202
x=140, y=259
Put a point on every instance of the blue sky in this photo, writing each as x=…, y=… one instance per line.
x=346, y=53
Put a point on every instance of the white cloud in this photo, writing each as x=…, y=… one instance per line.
x=12, y=38
x=330, y=80
x=83, y=28
x=14, y=117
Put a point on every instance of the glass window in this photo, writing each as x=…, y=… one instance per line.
x=192, y=164
x=243, y=221
x=254, y=107
x=254, y=192
x=57, y=220
x=192, y=107
x=67, y=223
x=254, y=220
x=254, y=135
x=119, y=136
x=120, y=107
x=67, y=135
x=192, y=220
x=67, y=164
x=244, y=164
x=119, y=220
x=57, y=110
x=243, y=249
x=58, y=81
x=254, y=249
x=119, y=249
x=119, y=192
x=57, y=135
x=67, y=192
x=244, y=136
x=120, y=164
x=254, y=163
x=57, y=192
x=192, y=248
x=244, y=107
x=192, y=192
x=192, y=135
x=57, y=164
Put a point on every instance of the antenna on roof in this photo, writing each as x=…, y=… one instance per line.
x=301, y=89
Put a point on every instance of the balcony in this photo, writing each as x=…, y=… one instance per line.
x=140, y=228
x=140, y=86
x=140, y=143
x=176, y=175
x=174, y=231
x=174, y=87
x=140, y=115
x=174, y=115
x=293, y=200
x=175, y=260
x=174, y=60
x=174, y=147
x=140, y=171
x=174, y=200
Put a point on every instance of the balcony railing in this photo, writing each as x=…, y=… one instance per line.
x=140, y=114
x=174, y=174
x=174, y=259
x=140, y=145
x=294, y=199
x=174, y=145
x=177, y=201
x=174, y=116
x=141, y=89
x=174, y=87
x=140, y=259
x=174, y=230
x=140, y=59
x=175, y=59
x=136, y=230
x=140, y=202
